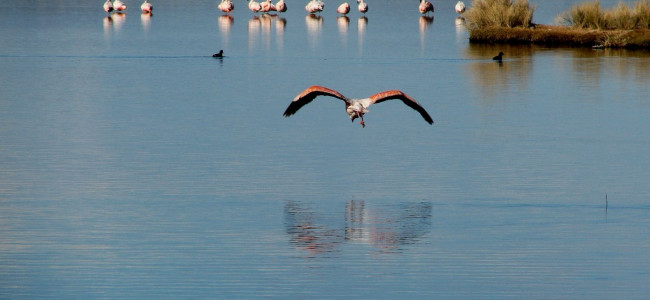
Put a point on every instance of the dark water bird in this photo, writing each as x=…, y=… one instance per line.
x=355, y=108
x=219, y=54
x=499, y=57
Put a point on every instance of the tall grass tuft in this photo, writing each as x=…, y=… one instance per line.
x=502, y=13
x=589, y=15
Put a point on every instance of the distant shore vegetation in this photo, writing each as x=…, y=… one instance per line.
x=590, y=15
x=585, y=24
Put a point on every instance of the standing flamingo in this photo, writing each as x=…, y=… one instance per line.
x=343, y=9
x=460, y=7
x=119, y=5
x=108, y=6
x=355, y=108
x=425, y=7
x=314, y=6
x=226, y=6
x=265, y=6
x=254, y=6
x=146, y=7
x=280, y=6
x=363, y=7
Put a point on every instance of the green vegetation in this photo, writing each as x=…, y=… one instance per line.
x=590, y=15
x=503, y=13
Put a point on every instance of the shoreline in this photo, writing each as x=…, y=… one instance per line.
x=562, y=36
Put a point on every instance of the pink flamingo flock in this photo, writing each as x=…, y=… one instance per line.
x=119, y=6
x=266, y=6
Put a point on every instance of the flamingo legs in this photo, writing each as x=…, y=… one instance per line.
x=360, y=116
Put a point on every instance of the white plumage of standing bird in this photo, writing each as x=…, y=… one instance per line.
x=226, y=6
x=355, y=108
x=108, y=6
x=363, y=7
x=254, y=6
x=343, y=9
x=280, y=6
x=119, y=5
x=425, y=7
x=314, y=6
x=146, y=7
x=460, y=7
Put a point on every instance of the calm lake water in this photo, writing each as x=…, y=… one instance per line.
x=134, y=165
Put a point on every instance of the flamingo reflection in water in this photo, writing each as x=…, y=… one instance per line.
x=387, y=228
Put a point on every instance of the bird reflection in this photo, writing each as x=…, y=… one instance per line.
x=108, y=23
x=425, y=22
x=314, y=24
x=225, y=23
x=361, y=30
x=265, y=24
x=145, y=19
x=118, y=21
x=386, y=228
x=343, y=23
x=460, y=27
x=113, y=22
x=280, y=24
x=254, y=25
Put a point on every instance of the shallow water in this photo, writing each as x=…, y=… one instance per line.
x=134, y=165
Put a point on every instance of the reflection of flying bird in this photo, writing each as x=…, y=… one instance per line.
x=226, y=6
x=119, y=5
x=363, y=7
x=460, y=7
x=355, y=108
x=343, y=9
x=108, y=6
x=314, y=6
x=499, y=57
x=146, y=7
x=425, y=7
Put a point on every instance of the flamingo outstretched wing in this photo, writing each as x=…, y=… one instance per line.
x=397, y=94
x=310, y=94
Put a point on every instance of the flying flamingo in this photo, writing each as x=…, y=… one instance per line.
x=343, y=9
x=355, y=108
x=363, y=7
x=280, y=6
x=108, y=6
x=146, y=7
x=460, y=7
x=314, y=6
x=254, y=6
x=119, y=5
x=425, y=7
x=226, y=6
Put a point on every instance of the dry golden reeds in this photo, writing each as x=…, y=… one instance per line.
x=590, y=15
x=502, y=13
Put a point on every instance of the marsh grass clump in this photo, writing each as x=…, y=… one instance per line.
x=590, y=15
x=500, y=13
